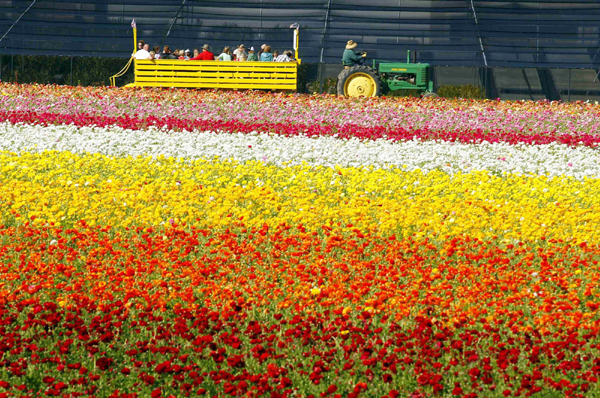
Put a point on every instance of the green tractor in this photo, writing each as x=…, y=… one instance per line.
x=383, y=77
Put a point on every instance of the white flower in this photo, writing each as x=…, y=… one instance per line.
x=551, y=160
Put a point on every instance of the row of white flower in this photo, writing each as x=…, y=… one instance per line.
x=553, y=160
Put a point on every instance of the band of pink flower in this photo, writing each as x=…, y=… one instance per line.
x=344, y=131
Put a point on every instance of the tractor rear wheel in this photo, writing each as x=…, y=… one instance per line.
x=430, y=95
x=359, y=81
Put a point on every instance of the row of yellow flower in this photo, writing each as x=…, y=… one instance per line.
x=63, y=187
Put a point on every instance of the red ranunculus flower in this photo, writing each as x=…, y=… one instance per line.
x=103, y=363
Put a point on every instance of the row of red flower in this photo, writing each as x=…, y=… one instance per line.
x=195, y=351
x=145, y=312
x=346, y=131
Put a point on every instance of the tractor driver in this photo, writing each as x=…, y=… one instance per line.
x=350, y=58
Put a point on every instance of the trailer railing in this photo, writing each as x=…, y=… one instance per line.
x=216, y=74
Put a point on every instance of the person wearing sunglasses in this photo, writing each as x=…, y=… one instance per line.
x=143, y=51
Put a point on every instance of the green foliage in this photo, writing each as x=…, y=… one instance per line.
x=329, y=86
x=403, y=93
x=80, y=71
x=97, y=71
x=303, y=73
x=461, y=91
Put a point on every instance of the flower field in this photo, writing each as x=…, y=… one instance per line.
x=167, y=243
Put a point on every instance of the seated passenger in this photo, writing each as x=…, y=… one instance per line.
x=196, y=53
x=140, y=46
x=252, y=55
x=156, y=50
x=142, y=53
x=266, y=55
x=284, y=57
x=241, y=50
x=167, y=54
x=225, y=55
x=262, y=50
x=205, y=55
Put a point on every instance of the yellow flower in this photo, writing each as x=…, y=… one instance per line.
x=63, y=187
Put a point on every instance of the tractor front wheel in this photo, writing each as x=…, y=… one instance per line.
x=359, y=81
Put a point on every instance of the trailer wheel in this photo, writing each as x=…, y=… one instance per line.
x=359, y=81
x=430, y=95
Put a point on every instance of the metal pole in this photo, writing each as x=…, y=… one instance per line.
x=570, y=70
x=297, y=43
x=398, y=32
x=479, y=33
x=537, y=37
x=173, y=20
x=528, y=84
x=260, y=31
x=484, y=83
x=17, y=21
x=320, y=77
x=325, y=31
x=71, y=70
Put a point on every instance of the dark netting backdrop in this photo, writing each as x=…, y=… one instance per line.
x=506, y=48
x=457, y=33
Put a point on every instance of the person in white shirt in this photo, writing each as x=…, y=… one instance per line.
x=283, y=57
x=143, y=53
x=240, y=52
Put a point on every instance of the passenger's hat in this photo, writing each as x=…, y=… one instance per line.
x=205, y=47
x=351, y=44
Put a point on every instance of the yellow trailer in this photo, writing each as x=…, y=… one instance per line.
x=236, y=75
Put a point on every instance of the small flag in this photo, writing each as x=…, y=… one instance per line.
x=133, y=25
x=294, y=26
